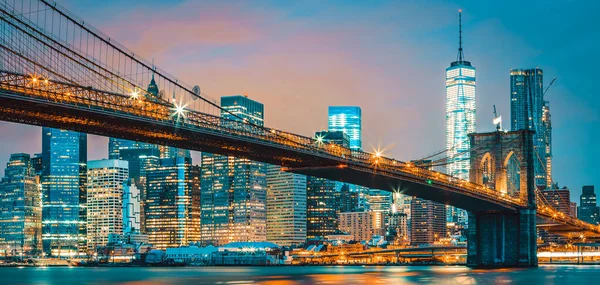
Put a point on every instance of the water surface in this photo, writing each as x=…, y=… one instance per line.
x=547, y=274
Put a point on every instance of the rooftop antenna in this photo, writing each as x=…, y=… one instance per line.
x=460, y=50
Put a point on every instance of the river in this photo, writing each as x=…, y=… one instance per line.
x=546, y=274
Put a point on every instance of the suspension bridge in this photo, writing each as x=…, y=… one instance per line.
x=58, y=71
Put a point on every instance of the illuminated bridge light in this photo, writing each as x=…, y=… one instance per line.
x=135, y=94
x=179, y=110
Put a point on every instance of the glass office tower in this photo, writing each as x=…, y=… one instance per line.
x=234, y=190
x=347, y=119
x=105, y=187
x=64, y=158
x=20, y=208
x=528, y=110
x=286, y=207
x=173, y=203
x=460, y=120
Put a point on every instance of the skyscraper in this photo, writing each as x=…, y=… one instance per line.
x=528, y=110
x=321, y=203
x=173, y=203
x=428, y=221
x=347, y=119
x=460, y=111
x=286, y=207
x=588, y=210
x=106, y=179
x=460, y=116
x=64, y=175
x=140, y=160
x=20, y=207
x=234, y=190
x=131, y=208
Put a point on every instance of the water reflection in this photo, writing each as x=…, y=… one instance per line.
x=301, y=275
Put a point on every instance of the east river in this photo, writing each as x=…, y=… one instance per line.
x=546, y=274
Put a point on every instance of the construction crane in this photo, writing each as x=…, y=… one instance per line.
x=549, y=85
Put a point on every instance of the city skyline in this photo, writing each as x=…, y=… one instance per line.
x=573, y=160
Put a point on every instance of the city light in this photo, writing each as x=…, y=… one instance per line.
x=179, y=110
x=135, y=94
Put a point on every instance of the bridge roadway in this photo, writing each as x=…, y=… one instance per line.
x=45, y=102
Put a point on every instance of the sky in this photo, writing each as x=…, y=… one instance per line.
x=388, y=57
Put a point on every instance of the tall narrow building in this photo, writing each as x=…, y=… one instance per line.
x=528, y=110
x=286, y=207
x=173, y=203
x=20, y=208
x=460, y=116
x=428, y=221
x=64, y=177
x=321, y=195
x=105, y=187
x=234, y=190
x=588, y=210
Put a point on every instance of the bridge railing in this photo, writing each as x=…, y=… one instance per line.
x=167, y=112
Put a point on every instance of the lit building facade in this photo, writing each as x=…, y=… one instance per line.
x=380, y=200
x=347, y=119
x=64, y=177
x=428, y=221
x=20, y=208
x=347, y=200
x=528, y=110
x=588, y=209
x=234, y=190
x=173, y=203
x=286, y=207
x=321, y=194
x=105, y=188
x=460, y=118
x=140, y=160
x=131, y=208
x=396, y=225
x=362, y=225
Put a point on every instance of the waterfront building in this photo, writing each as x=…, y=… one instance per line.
x=173, y=203
x=347, y=119
x=362, y=225
x=106, y=179
x=131, y=208
x=396, y=226
x=234, y=190
x=588, y=210
x=428, y=221
x=528, y=110
x=20, y=208
x=64, y=177
x=460, y=118
x=286, y=207
x=321, y=202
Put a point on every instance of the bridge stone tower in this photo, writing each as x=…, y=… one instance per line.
x=503, y=161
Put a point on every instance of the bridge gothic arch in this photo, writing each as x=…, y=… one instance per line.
x=497, y=239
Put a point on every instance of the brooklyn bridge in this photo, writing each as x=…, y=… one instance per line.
x=58, y=71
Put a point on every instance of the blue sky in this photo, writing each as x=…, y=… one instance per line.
x=388, y=57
